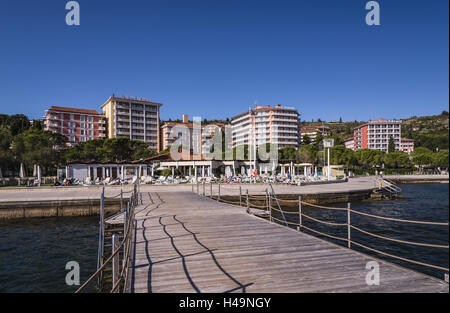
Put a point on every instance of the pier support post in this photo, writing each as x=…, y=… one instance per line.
x=348, y=226
x=115, y=261
x=299, y=213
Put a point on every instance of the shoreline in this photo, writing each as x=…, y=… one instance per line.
x=17, y=203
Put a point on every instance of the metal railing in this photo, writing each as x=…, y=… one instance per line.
x=268, y=207
x=120, y=258
x=387, y=186
x=351, y=227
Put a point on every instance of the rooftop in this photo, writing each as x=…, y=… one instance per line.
x=131, y=99
x=73, y=110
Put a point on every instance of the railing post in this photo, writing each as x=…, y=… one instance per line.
x=125, y=225
x=248, y=202
x=203, y=188
x=270, y=206
x=348, y=226
x=240, y=195
x=218, y=194
x=267, y=199
x=115, y=261
x=101, y=232
x=121, y=200
x=299, y=213
x=125, y=219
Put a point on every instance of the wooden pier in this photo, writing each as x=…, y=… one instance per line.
x=184, y=242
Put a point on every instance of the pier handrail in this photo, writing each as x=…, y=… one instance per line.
x=124, y=246
x=278, y=203
x=300, y=225
x=349, y=210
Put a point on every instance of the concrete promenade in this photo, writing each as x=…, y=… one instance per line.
x=93, y=192
x=79, y=200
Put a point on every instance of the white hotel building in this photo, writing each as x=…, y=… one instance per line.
x=276, y=125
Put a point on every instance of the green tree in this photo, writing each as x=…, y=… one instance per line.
x=396, y=159
x=391, y=145
x=287, y=153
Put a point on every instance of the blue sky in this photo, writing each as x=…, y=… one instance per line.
x=215, y=58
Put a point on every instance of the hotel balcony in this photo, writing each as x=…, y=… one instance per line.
x=120, y=132
x=122, y=106
x=123, y=119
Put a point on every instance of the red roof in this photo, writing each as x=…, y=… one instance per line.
x=74, y=110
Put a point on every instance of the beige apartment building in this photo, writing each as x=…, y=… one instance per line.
x=134, y=118
x=172, y=131
x=313, y=131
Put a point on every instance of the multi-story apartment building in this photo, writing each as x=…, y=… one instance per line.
x=134, y=118
x=407, y=145
x=376, y=134
x=77, y=125
x=276, y=125
x=349, y=143
x=170, y=133
x=313, y=131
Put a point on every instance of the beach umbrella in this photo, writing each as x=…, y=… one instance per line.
x=123, y=172
x=67, y=172
x=39, y=175
x=1, y=174
x=34, y=170
x=22, y=173
x=153, y=170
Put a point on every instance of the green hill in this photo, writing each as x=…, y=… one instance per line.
x=428, y=131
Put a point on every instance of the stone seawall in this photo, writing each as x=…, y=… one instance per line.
x=51, y=208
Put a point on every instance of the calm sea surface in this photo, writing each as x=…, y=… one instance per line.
x=34, y=252
x=421, y=202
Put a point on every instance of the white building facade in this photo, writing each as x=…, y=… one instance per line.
x=261, y=125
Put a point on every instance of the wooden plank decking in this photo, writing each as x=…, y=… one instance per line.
x=187, y=243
